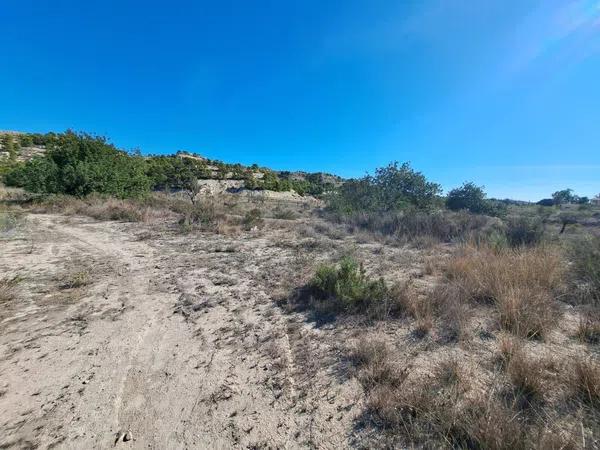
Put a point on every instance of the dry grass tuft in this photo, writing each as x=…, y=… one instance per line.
x=8, y=288
x=521, y=283
x=585, y=381
x=487, y=423
x=507, y=347
x=403, y=299
x=107, y=208
x=589, y=327
x=76, y=280
x=375, y=368
x=10, y=220
x=447, y=411
x=448, y=303
x=526, y=375
x=449, y=372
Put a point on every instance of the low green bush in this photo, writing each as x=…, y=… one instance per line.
x=524, y=231
x=346, y=287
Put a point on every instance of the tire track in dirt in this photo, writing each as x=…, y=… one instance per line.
x=182, y=346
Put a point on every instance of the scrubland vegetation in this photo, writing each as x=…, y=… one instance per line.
x=491, y=343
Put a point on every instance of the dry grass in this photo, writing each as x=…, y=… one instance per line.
x=585, y=381
x=8, y=288
x=424, y=229
x=526, y=375
x=436, y=415
x=521, y=283
x=106, y=208
x=507, y=347
x=447, y=301
x=10, y=220
x=588, y=330
x=404, y=299
x=76, y=280
x=449, y=372
x=374, y=364
x=445, y=412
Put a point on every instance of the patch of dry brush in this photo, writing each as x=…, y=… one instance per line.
x=8, y=288
x=521, y=283
x=520, y=405
x=518, y=393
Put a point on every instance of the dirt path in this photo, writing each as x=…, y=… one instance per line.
x=174, y=339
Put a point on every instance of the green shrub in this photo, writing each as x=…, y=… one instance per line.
x=284, y=214
x=392, y=188
x=347, y=287
x=473, y=198
x=81, y=164
x=173, y=172
x=469, y=197
x=524, y=231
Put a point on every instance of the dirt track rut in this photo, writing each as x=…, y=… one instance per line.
x=174, y=338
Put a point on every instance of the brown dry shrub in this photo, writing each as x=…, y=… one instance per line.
x=507, y=347
x=103, y=208
x=402, y=299
x=8, y=288
x=522, y=284
x=449, y=372
x=526, y=375
x=588, y=329
x=375, y=366
x=445, y=411
x=585, y=381
x=448, y=303
x=113, y=209
x=421, y=415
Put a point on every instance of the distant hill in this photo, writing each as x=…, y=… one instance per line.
x=27, y=148
x=175, y=170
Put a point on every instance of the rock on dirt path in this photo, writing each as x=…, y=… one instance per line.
x=119, y=339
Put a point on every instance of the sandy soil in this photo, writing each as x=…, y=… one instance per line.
x=174, y=340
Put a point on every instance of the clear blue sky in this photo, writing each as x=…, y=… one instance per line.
x=502, y=92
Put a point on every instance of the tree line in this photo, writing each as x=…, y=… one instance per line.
x=80, y=163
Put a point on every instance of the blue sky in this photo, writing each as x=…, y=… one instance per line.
x=502, y=92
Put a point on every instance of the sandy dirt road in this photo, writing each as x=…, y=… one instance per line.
x=173, y=339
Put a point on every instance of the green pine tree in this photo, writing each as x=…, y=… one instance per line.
x=8, y=145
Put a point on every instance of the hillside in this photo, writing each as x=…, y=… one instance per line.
x=18, y=147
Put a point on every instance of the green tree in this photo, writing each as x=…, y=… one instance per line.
x=8, y=145
x=26, y=140
x=79, y=164
x=399, y=186
x=562, y=197
x=391, y=188
x=469, y=196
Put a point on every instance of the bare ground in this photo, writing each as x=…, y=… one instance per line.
x=174, y=339
x=185, y=340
